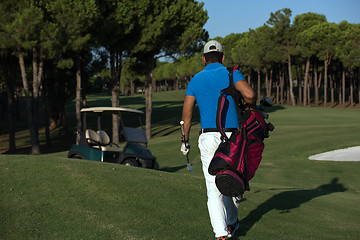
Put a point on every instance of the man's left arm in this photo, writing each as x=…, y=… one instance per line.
x=247, y=92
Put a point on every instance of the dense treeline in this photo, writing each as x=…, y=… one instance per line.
x=52, y=49
x=307, y=61
x=55, y=50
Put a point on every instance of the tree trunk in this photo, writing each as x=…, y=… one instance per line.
x=266, y=82
x=114, y=96
x=308, y=89
x=121, y=88
x=84, y=78
x=269, y=84
x=306, y=79
x=132, y=88
x=46, y=112
x=358, y=78
x=316, y=86
x=339, y=84
x=11, y=119
x=10, y=90
x=292, y=97
x=343, y=87
x=325, y=81
x=287, y=94
x=282, y=88
x=176, y=84
x=332, y=90
x=351, y=95
x=299, y=87
x=35, y=148
x=259, y=83
x=249, y=77
x=127, y=89
x=78, y=99
x=148, y=101
x=277, y=93
x=37, y=75
x=149, y=80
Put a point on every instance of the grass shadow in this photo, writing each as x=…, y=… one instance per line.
x=173, y=169
x=273, y=109
x=58, y=144
x=285, y=202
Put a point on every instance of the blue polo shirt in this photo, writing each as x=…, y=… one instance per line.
x=205, y=86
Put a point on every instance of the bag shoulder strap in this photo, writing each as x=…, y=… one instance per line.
x=223, y=104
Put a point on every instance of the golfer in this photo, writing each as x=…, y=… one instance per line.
x=204, y=89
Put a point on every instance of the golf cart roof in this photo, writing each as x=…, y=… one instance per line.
x=110, y=109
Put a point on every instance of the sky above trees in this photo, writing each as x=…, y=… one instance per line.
x=233, y=16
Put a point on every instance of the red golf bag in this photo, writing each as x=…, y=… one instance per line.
x=237, y=158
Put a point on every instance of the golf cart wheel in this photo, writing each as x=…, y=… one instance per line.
x=131, y=162
x=156, y=165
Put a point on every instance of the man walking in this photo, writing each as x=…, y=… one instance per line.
x=204, y=89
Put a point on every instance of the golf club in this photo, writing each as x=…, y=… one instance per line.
x=182, y=127
x=266, y=102
x=240, y=199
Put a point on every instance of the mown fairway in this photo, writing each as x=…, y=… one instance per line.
x=52, y=197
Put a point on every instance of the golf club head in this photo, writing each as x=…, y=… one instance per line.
x=240, y=199
x=270, y=127
x=266, y=102
x=189, y=167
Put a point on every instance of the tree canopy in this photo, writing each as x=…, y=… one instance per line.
x=61, y=49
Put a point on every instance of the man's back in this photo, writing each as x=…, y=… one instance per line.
x=205, y=87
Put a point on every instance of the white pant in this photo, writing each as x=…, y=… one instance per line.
x=222, y=210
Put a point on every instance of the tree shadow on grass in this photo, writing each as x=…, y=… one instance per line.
x=285, y=201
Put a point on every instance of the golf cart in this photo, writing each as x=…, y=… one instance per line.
x=97, y=145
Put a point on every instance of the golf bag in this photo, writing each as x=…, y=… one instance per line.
x=237, y=158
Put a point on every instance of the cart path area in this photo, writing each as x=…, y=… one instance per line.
x=346, y=154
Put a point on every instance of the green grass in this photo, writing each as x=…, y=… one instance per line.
x=51, y=197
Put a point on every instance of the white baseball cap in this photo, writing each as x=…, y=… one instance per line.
x=213, y=46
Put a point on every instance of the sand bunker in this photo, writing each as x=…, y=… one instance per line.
x=346, y=154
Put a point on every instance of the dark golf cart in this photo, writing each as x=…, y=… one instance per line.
x=96, y=145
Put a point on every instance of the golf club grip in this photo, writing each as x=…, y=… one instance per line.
x=182, y=127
